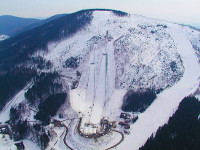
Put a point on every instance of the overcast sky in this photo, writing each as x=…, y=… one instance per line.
x=182, y=11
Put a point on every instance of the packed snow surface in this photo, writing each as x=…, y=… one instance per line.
x=99, y=99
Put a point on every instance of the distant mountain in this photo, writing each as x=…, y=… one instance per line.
x=11, y=24
x=37, y=24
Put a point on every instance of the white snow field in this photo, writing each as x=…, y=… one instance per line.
x=167, y=101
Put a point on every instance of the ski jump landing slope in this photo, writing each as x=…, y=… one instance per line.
x=100, y=94
x=167, y=101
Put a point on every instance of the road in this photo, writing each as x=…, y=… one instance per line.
x=121, y=140
x=64, y=140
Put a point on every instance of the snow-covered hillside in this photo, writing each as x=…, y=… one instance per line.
x=132, y=38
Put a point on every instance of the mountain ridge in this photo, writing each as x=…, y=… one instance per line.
x=11, y=24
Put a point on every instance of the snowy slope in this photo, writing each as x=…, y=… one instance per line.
x=132, y=38
x=194, y=37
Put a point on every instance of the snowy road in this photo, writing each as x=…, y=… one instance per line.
x=167, y=101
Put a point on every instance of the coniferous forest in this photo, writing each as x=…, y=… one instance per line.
x=44, y=84
x=46, y=95
x=138, y=101
x=50, y=106
x=182, y=131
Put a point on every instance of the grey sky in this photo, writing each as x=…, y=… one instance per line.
x=182, y=11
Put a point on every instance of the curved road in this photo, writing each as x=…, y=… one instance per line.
x=67, y=145
x=118, y=142
x=64, y=139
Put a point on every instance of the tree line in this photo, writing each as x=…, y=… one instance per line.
x=138, y=101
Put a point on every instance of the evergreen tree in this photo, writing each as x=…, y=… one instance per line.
x=44, y=140
x=138, y=101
